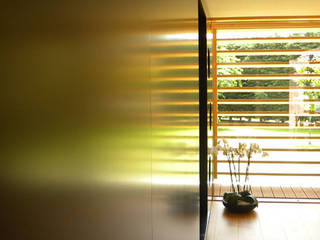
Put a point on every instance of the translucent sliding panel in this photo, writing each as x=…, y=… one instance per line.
x=175, y=129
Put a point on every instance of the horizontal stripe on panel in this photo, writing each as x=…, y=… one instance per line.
x=180, y=90
x=175, y=67
x=174, y=55
x=173, y=79
x=174, y=43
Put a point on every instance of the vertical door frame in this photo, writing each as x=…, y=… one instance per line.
x=214, y=100
x=203, y=120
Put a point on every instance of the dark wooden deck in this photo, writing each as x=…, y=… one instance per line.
x=289, y=192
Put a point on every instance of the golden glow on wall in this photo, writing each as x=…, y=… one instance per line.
x=84, y=154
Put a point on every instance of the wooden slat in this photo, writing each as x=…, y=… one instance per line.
x=237, y=101
x=268, y=76
x=288, y=192
x=254, y=113
x=267, y=192
x=266, y=125
x=277, y=192
x=243, y=76
x=266, y=101
x=272, y=52
x=269, y=137
x=267, y=89
x=242, y=161
x=265, y=64
x=266, y=24
x=269, y=39
x=275, y=162
x=253, y=124
x=291, y=150
x=214, y=100
x=262, y=18
x=299, y=192
x=264, y=113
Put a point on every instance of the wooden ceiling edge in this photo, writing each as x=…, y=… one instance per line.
x=270, y=22
x=311, y=17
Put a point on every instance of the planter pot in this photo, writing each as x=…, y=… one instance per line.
x=239, y=204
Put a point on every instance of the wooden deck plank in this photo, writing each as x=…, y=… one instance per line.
x=256, y=191
x=299, y=192
x=288, y=192
x=216, y=190
x=223, y=189
x=310, y=193
x=219, y=193
x=317, y=191
x=267, y=192
x=277, y=192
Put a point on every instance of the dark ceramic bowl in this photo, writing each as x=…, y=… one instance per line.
x=239, y=208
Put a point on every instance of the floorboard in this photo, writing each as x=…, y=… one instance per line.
x=270, y=221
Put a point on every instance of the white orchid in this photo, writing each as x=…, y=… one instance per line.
x=215, y=150
x=240, y=152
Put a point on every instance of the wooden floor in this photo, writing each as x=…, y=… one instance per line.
x=270, y=221
x=290, y=192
